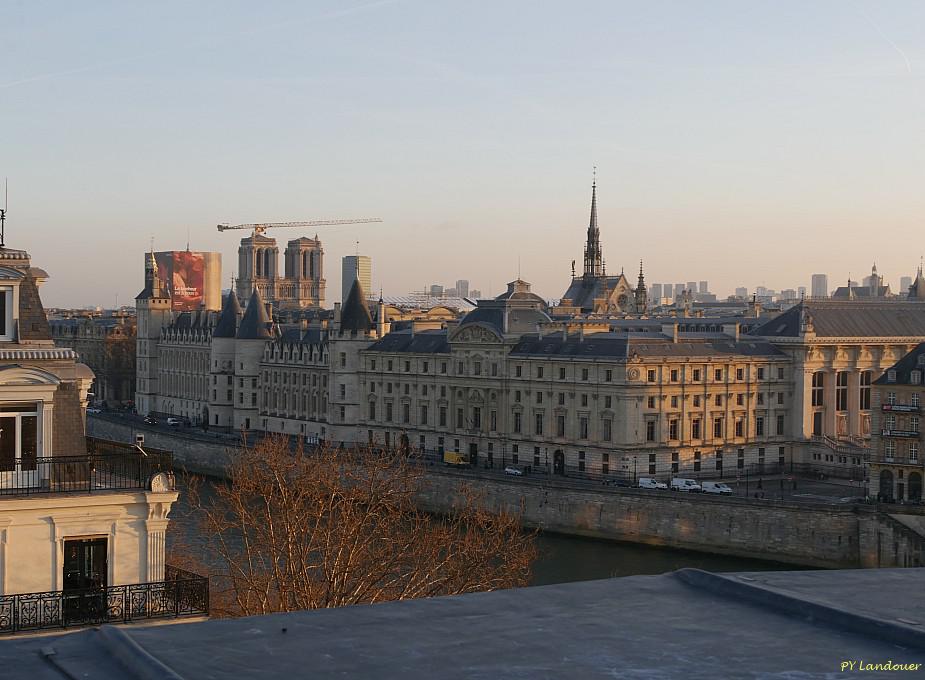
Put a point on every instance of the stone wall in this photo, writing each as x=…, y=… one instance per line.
x=835, y=536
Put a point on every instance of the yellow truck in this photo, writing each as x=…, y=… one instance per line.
x=455, y=458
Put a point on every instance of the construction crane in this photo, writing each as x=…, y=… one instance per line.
x=260, y=228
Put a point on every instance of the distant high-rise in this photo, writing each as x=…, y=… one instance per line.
x=667, y=290
x=359, y=268
x=462, y=288
x=475, y=293
x=436, y=290
x=742, y=292
x=656, y=292
x=801, y=291
x=678, y=289
x=788, y=294
x=904, y=284
x=692, y=287
x=820, y=285
x=704, y=287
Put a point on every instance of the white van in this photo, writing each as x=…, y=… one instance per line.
x=681, y=484
x=649, y=483
x=716, y=487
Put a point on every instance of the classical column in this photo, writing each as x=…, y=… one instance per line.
x=854, y=403
x=828, y=418
x=156, y=530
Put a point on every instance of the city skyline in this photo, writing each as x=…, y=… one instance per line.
x=723, y=146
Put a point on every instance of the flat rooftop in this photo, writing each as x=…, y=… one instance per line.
x=686, y=624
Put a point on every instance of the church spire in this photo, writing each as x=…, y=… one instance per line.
x=594, y=261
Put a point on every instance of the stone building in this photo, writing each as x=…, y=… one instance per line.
x=69, y=520
x=301, y=286
x=107, y=345
x=897, y=466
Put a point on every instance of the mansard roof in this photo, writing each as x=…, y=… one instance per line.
x=355, y=316
x=848, y=318
x=33, y=323
x=624, y=346
x=420, y=342
x=914, y=360
x=227, y=326
x=256, y=323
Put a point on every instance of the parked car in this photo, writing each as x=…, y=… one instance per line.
x=716, y=487
x=174, y=422
x=607, y=481
x=150, y=420
x=681, y=484
x=511, y=470
x=649, y=483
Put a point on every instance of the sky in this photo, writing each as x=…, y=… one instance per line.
x=742, y=143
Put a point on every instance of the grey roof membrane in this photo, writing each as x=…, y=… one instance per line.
x=687, y=624
x=421, y=342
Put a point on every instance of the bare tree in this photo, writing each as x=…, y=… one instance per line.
x=297, y=530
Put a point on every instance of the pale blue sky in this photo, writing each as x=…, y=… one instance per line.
x=739, y=142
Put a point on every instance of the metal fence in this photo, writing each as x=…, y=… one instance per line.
x=180, y=594
x=89, y=473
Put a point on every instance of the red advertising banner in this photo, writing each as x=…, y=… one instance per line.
x=181, y=272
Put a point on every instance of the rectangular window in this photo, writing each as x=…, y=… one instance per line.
x=560, y=426
x=460, y=419
x=494, y=370
x=584, y=400
x=372, y=410
x=818, y=388
x=739, y=427
x=673, y=429
x=759, y=426
x=760, y=373
x=674, y=375
x=740, y=374
x=864, y=397
x=695, y=428
x=539, y=371
x=761, y=398
x=343, y=359
x=914, y=401
x=539, y=397
x=561, y=372
x=517, y=425
x=343, y=391
x=891, y=398
x=841, y=391
x=650, y=375
x=740, y=399
x=389, y=365
x=606, y=430
x=423, y=414
x=538, y=424
x=517, y=396
x=913, y=452
x=493, y=420
x=518, y=370
x=608, y=375
x=718, y=428
x=914, y=423
x=696, y=375
x=584, y=374
x=674, y=401
x=696, y=461
x=780, y=425
x=477, y=368
x=583, y=428
x=443, y=367
x=650, y=430
x=388, y=411
x=561, y=398
x=476, y=418
x=890, y=449
x=718, y=374
x=696, y=401
x=425, y=366
x=460, y=368
x=780, y=372
x=718, y=400
x=608, y=401
x=651, y=402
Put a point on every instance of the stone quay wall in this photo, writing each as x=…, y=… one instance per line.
x=816, y=535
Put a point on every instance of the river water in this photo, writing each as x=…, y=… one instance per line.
x=563, y=559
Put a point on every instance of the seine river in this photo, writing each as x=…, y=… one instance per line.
x=570, y=558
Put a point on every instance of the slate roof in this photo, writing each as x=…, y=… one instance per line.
x=904, y=368
x=859, y=292
x=355, y=316
x=227, y=326
x=623, y=346
x=519, y=319
x=256, y=324
x=33, y=323
x=421, y=342
x=849, y=318
x=584, y=290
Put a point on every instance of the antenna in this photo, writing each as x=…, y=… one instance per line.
x=6, y=205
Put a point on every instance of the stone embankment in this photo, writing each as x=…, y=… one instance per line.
x=804, y=534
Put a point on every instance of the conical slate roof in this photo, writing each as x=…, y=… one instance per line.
x=227, y=326
x=355, y=316
x=256, y=324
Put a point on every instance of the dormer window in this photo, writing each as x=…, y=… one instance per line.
x=6, y=313
x=891, y=376
x=916, y=377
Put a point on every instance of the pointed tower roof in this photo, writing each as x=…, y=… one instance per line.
x=641, y=284
x=355, y=316
x=256, y=324
x=592, y=224
x=227, y=326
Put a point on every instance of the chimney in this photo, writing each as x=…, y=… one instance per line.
x=671, y=330
x=336, y=320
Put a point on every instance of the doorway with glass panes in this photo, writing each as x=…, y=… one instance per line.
x=20, y=438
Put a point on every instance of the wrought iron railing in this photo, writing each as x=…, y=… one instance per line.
x=180, y=594
x=91, y=473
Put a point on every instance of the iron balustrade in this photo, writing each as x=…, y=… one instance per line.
x=89, y=473
x=180, y=594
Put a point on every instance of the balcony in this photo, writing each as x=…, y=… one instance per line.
x=102, y=471
x=180, y=594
